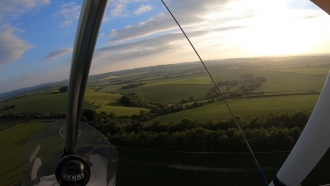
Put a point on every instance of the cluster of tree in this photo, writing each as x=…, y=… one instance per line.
x=64, y=89
x=272, y=132
x=34, y=115
x=115, y=80
x=250, y=83
x=17, y=97
x=246, y=85
x=87, y=115
x=158, y=109
x=102, y=85
x=297, y=119
x=228, y=83
x=7, y=107
x=190, y=99
x=134, y=100
x=133, y=85
x=198, y=139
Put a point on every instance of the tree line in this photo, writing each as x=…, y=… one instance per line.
x=245, y=85
x=157, y=109
x=267, y=133
x=133, y=85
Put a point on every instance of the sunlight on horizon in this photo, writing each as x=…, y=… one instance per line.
x=37, y=41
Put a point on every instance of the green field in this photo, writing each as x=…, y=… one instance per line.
x=170, y=93
x=170, y=84
x=44, y=102
x=108, y=103
x=317, y=69
x=246, y=108
x=11, y=141
x=281, y=82
x=7, y=123
x=108, y=78
x=278, y=81
x=53, y=101
x=173, y=90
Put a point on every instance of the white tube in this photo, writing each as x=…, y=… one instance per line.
x=312, y=144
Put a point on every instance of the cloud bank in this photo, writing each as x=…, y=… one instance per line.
x=69, y=12
x=12, y=47
x=57, y=53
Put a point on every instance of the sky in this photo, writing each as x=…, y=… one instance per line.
x=37, y=36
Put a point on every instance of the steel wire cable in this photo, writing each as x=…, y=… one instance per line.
x=223, y=98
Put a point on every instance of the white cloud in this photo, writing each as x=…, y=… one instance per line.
x=70, y=12
x=57, y=53
x=156, y=24
x=118, y=10
x=14, y=8
x=188, y=13
x=12, y=47
x=171, y=44
x=143, y=9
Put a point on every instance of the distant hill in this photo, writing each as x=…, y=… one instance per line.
x=94, y=78
x=27, y=90
x=184, y=69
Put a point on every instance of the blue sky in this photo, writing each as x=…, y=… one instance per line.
x=37, y=36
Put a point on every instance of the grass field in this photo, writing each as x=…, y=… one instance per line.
x=11, y=141
x=172, y=90
x=281, y=81
x=278, y=81
x=45, y=102
x=171, y=93
x=246, y=108
x=317, y=69
x=7, y=123
x=52, y=101
x=108, y=103
x=108, y=78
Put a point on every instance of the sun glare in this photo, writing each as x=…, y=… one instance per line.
x=274, y=29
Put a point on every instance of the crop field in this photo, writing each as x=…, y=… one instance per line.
x=7, y=123
x=108, y=103
x=278, y=81
x=246, y=108
x=11, y=141
x=108, y=78
x=53, y=101
x=317, y=69
x=44, y=102
x=281, y=81
x=170, y=93
x=173, y=90
x=202, y=80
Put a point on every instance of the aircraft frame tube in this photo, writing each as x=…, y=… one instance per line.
x=90, y=20
x=311, y=146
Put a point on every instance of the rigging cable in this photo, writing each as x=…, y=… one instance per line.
x=261, y=173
